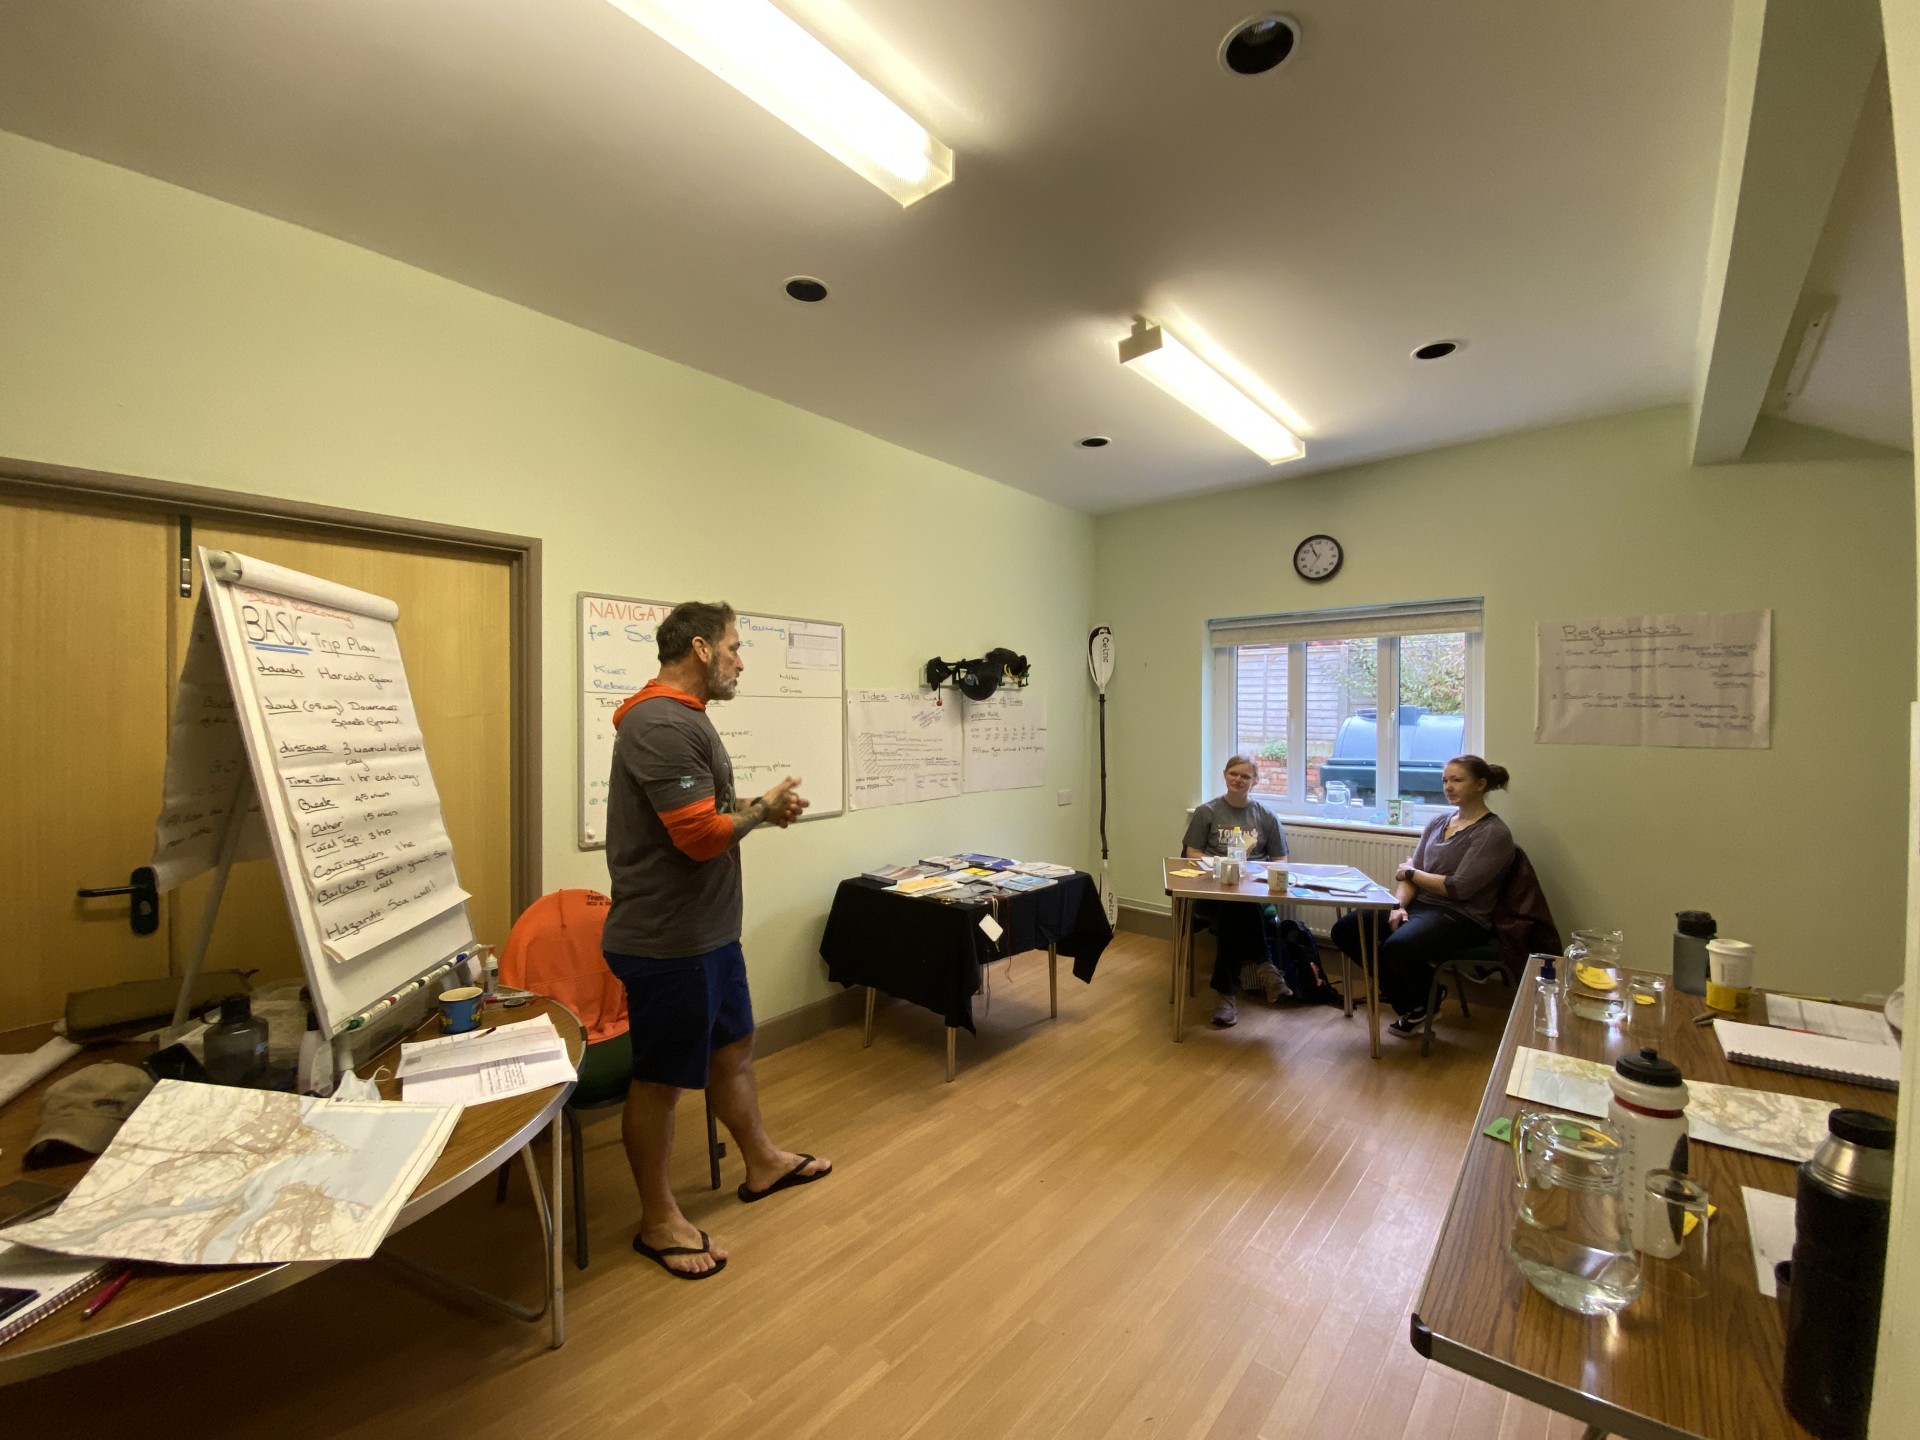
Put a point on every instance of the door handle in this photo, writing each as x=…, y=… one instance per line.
x=144, y=912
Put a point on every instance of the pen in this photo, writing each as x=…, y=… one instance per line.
x=113, y=1288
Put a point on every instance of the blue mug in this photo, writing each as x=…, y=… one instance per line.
x=460, y=1009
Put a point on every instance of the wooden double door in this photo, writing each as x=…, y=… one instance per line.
x=92, y=632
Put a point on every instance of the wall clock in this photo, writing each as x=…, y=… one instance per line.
x=1317, y=557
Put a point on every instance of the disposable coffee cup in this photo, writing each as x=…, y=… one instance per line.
x=461, y=1008
x=1729, y=976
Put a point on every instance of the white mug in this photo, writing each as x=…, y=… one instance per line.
x=1277, y=877
x=1227, y=871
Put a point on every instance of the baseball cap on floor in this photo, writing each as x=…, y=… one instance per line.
x=82, y=1113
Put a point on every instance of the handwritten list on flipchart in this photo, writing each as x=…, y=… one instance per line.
x=1006, y=741
x=1695, y=679
x=905, y=746
x=350, y=759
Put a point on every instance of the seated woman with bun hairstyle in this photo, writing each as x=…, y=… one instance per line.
x=1446, y=891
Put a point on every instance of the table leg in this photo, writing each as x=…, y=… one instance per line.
x=952, y=1033
x=549, y=1213
x=1182, y=963
x=1053, y=980
x=556, y=1295
x=1370, y=962
x=1346, y=966
x=1173, y=980
x=867, y=1042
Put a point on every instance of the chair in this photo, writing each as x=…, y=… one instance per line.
x=1522, y=925
x=554, y=949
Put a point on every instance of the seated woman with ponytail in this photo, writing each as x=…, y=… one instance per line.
x=1446, y=892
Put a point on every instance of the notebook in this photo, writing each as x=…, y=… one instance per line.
x=55, y=1279
x=1852, y=1061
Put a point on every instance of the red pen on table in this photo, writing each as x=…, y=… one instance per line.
x=113, y=1288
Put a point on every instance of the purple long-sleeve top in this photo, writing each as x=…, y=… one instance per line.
x=1472, y=863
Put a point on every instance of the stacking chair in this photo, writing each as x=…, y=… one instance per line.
x=1522, y=926
x=554, y=949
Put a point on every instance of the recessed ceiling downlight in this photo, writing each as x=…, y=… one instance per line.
x=806, y=289
x=1436, y=350
x=1260, y=44
x=1095, y=442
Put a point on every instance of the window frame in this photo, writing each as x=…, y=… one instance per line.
x=1401, y=622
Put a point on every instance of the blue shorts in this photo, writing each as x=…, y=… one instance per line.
x=680, y=1011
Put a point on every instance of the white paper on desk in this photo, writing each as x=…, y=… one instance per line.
x=1770, y=1220
x=1841, y=1022
x=484, y=1065
x=1761, y=1122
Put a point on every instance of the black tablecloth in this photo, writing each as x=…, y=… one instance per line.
x=930, y=952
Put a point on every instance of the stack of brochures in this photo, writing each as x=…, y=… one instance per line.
x=893, y=874
x=969, y=877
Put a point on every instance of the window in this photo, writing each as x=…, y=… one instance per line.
x=1303, y=695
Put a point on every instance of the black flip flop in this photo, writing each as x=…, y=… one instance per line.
x=787, y=1181
x=659, y=1257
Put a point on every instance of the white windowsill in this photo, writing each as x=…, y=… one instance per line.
x=1293, y=820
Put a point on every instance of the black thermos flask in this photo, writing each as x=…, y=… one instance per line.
x=1845, y=1199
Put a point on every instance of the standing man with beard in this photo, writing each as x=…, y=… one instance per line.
x=672, y=936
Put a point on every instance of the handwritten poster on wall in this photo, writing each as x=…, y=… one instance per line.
x=1006, y=741
x=904, y=747
x=1696, y=679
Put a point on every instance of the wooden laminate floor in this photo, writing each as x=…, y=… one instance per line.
x=1093, y=1233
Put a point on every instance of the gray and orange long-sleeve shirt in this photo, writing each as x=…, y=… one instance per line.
x=671, y=852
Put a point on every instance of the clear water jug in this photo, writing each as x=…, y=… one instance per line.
x=1571, y=1237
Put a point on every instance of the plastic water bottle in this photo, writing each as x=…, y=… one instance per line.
x=1692, y=930
x=1649, y=1109
x=1546, y=1000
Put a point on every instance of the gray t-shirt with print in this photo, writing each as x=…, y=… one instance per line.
x=1218, y=823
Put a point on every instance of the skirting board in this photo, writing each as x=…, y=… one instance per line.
x=1136, y=920
x=848, y=1007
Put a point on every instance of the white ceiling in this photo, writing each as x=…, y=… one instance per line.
x=1534, y=179
x=1859, y=380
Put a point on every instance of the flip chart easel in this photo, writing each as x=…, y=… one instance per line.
x=294, y=735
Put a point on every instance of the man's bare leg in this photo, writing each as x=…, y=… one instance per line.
x=736, y=1101
x=646, y=1126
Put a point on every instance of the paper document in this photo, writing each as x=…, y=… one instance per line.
x=484, y=1065
x=17, y=1072
x=219, y=1175
x=1842, y=1022
x=1762, y=1122
x=1341, y=879
x=1770, y=1228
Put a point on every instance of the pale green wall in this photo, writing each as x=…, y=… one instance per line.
x=1797, y=848
x=150, y=331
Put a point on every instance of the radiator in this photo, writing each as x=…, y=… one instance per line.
x=1372, y=852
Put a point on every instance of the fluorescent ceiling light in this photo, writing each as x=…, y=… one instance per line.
x=1152, y=352
x=766, y=56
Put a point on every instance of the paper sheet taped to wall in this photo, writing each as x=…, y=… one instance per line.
x=905, y=746
x=1694, y=679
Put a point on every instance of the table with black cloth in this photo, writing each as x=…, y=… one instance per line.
x=929, y=952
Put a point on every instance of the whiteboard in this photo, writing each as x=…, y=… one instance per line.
x=903, y=746
x=327, y=737
x=1691, y=679
x=1006, y=741
x=788, y=717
